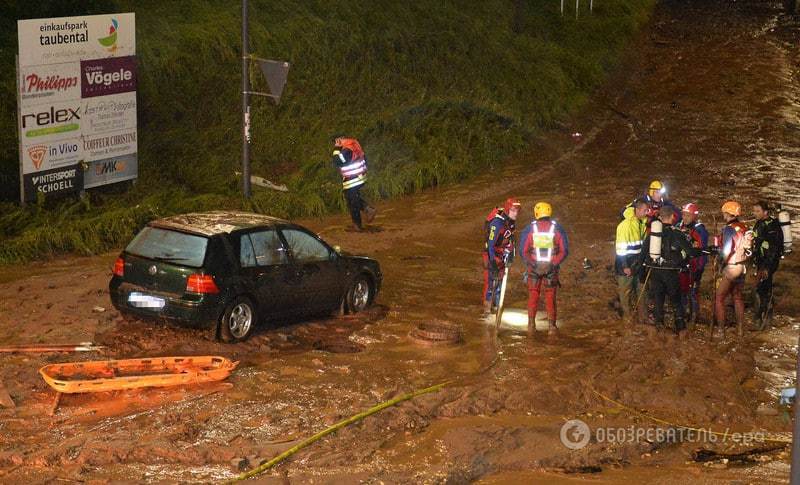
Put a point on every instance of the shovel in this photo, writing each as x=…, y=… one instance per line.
x=499, y=316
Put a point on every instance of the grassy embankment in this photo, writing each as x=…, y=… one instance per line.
x=435, y=91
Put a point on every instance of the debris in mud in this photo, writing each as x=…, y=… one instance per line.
x=39, y=348
x=703, y=455
x=437, y=332
x=5, y=397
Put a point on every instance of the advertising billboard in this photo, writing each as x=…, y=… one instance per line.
x=76, y=91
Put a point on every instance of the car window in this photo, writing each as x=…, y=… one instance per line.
x=247, y=256
x=305, y=247
x=266, y=246
x=170, y=246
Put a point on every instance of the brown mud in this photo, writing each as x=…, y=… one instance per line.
x=706, y=99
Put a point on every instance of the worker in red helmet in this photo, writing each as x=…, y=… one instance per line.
x=734, y=243
x=690, y=280
x=349, y=158
x=498, y=250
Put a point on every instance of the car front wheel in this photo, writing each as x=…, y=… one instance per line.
x=359, y=296
x=238, y=321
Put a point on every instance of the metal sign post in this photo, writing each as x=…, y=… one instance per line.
x=19, y=134
x=245, y=105
x=795, y=470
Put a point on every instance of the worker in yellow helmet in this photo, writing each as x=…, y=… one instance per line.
x=656, y=198
x=544, y=246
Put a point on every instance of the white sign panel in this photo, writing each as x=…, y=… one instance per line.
x=104, y=114
x=49, y=84
x=49, y=155
x=65, y=39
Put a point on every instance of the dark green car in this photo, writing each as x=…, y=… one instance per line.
x=229, y=270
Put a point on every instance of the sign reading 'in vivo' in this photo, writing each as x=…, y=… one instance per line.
x=76, y=86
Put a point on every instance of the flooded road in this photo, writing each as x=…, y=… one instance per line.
x=706, y=100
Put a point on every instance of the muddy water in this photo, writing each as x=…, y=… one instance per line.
x=706, y=100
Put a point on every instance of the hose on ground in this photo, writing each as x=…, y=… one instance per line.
x=341, y=424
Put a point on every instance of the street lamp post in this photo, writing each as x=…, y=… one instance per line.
x=245, y=104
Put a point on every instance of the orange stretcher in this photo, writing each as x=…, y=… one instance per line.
x=115, y=375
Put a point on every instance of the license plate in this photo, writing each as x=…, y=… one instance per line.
x=140, y=300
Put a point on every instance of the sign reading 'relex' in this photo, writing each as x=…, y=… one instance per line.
x=76, y=92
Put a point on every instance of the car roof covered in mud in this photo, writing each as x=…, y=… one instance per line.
x=215, y=222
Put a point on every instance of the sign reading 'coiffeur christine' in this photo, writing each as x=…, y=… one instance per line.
x=76, y=86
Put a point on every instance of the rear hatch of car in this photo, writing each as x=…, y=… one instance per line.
x=161, y=260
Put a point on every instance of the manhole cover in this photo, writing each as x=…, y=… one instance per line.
x=437, y=332
x=339, y=347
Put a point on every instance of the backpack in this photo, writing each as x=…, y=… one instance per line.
x=488, y=221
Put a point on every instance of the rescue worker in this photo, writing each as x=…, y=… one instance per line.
x=655, y=198
x=673, y=252
x=351, y=161
x=544, y=246
x=690, y=280
x=498, y=251
x=630, y=235
x=767, y=252
x=732, y=256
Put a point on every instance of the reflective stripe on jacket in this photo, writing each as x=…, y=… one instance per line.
x=630, y=236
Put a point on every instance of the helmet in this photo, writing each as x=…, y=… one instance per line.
x=691, y=208
x=732, y=207
x=542, y=209
x=510, y=202
x=656, y=186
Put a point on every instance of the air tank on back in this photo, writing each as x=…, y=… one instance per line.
x=785, y=222
x=656, y=228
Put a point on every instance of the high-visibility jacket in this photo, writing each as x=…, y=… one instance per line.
x=544, y=241
x=630, y=236
x=349, y=158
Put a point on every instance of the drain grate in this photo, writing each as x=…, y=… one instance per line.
x=437, y=332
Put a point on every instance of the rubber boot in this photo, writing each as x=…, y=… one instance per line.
x=531, y=326
x=552, y=330
x=370, y=213
x=487, y=308
x=740, y=323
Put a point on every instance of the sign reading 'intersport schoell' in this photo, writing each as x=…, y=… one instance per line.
x=76, y=87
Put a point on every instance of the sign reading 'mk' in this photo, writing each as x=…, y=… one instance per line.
x=76, y=91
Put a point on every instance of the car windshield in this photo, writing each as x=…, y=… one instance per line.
x=170, y=246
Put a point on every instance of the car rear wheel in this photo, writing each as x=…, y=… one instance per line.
x=238, y=321
x=359, y=296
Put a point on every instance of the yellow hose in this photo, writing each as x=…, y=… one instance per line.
x=768, y=436
x=341, y=424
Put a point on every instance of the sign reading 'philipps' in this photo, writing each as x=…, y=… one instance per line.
x=76, y=91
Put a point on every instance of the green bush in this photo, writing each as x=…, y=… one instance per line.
x=436, y=92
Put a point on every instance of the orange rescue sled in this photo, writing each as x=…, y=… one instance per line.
x=115, y=375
